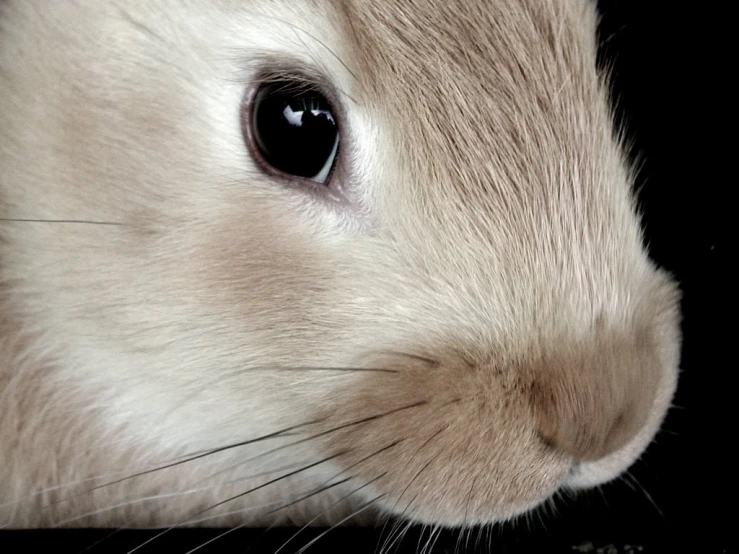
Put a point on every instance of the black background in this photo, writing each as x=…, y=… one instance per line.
x=664, y=59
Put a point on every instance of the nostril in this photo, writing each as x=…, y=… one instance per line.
x=583, y=437
x=592, y=401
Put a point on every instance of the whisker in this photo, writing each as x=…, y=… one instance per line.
x=393, y=530
x=243, y=478
x=362, y=460
x=464, y=519
x=234, y=512
x=286, y=369
x=540, y=514
x=319, y=435
x=311, y=494
x=73, y=221
x=629, y=475
x=330, y=369
x=124, y=504
x=321, y=488
x=217, y=537
x=304, y=527
x=237, y=496
x=401, y=536
x=669, y=432
x=382, y=532
x=479, y=538
x=396, y=532
x=334, y=430
x=172, y=494
x=347, y=518
x=419, y=471
x=193, y=458
x=466, y=508
x=420, y=537
x=284, y=506
x=71, y=484
x=434, y=536
x=193, y=521
x=417, y=357
x=116, y=531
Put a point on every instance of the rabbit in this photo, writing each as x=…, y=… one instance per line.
x=283, y=262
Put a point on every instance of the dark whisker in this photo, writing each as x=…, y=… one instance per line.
x=382, y=532
x=304, y=527
x=326, y=485
x=311, y=494
x=273, y=471
x=362, y=508
x=275, y=434
x=378, y=416
x=348, y=369
x=74, y=221
x=236, y=497
x=429, y=361
x=284, y=506
x=189, y=459
x=264, y=437
x=420, y=471
x=179, y=493
x=108, y=475
x=322, y=488
x=259, y=487
x=423, y=468
x=339, y=428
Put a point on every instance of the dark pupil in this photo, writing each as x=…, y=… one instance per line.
x=295, y=131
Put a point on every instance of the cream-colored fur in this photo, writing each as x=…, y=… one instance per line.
x=480, y=259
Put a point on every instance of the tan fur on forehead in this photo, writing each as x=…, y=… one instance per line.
x=507, y=90
x=521, y=73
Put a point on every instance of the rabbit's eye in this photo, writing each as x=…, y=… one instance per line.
x=294, y=130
